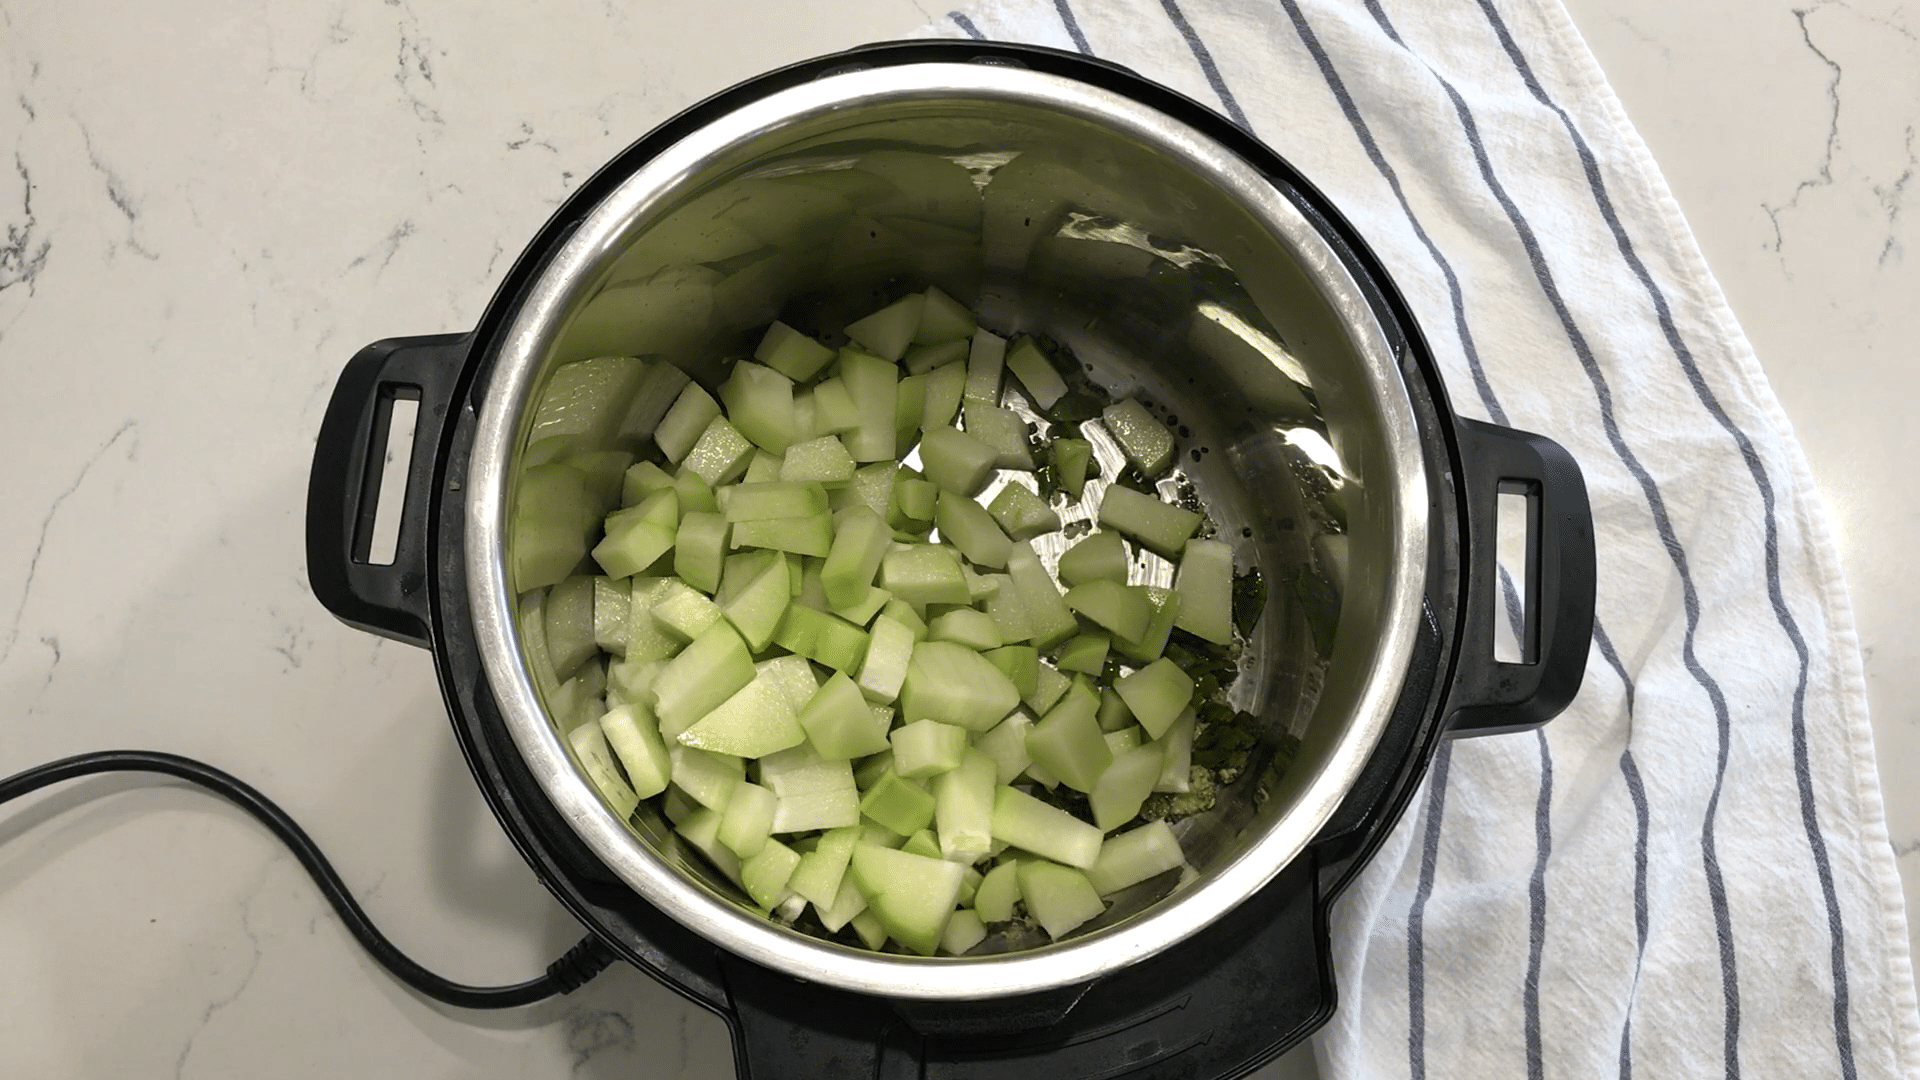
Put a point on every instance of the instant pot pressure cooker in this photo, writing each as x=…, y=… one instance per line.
x=1182, y=263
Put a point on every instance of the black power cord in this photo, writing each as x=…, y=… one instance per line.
x=580, y=963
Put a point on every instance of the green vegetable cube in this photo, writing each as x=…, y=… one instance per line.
x=963, y=805
x=1007, y=610
x=699, y=548
x=696, y=495
x=823, y=460
x=1086, y=654
x=914, y=498
x=630, y=682
x=659, y=388
x=754, y=722
x=684, y=423
x=1022, y=513
x=955, y=685
x=1006, y=744
x=1159, y=526
x=596, y=760
x=943, y=319
x=945, y=385
x=985, y=360
x=965, y=626
x=912, y=896
x=1177, y=746
x=873, y=383
x=860, y=542
x=964, y=931
x=922, y=843
x=956, y=460
x=802, y=770
x=838, y=723
x=740, y=570
x=1205, y=585
x=1021, y=665
x=898, y=803
x=636, y=740
x=1147, y=648
x=1004, y=430
x=709, y=671
x=720, y=454
x=642, y=480
x=889, y=331
x=646, y=639
x=1072, y=460
x=748, y=821
x=765, y=876
x=832, y=809
x=889, y=652
x=909, y=404
x=817, y=878
x=685, y=612
x=763, y=468
x=822, y=638
x=873, y=767
x=1049, y=687
x=924, y=574
x=903, y=613
x=759, y=403
x=812, y=535
x=578, y=700
x=1114, y=714
x=1067, y=742
x=1048, y=616
x=921, y=359
x=701, y=829
x=553, y=519
x=968, y=526
x=1147, y=443
x=871, y=487
x=1048, y=831
x=1058, y=897
x=873, y=933
x=1132, y=857
x=833, y=408
x=569, y=624
x=1100, y=556
x=1123, y=609
x=632, y=543
x=587, y=397
x=1157, y=694
x=806, y=416
x=927, y=748
x=1036, y=373
x=708, y=779
x=849, y=903
x=862, y=613
x=1126, y=783
x=759, y=502
x=792, y=353
x=756, y=609
x=993, y=901
x=662, y=508
x=1124, y=739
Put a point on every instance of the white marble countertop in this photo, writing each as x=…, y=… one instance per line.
x=210, y=206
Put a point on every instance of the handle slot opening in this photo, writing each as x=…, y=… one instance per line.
x=1516, y=635
x=383, y=492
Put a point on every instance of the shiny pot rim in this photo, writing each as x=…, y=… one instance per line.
x=565, y=281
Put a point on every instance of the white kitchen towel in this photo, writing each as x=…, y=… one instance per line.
x=1688, y=873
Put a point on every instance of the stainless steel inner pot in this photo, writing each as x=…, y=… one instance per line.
x=1176, y=273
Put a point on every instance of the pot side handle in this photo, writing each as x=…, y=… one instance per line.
x=1491, y=696
x=343, y=491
